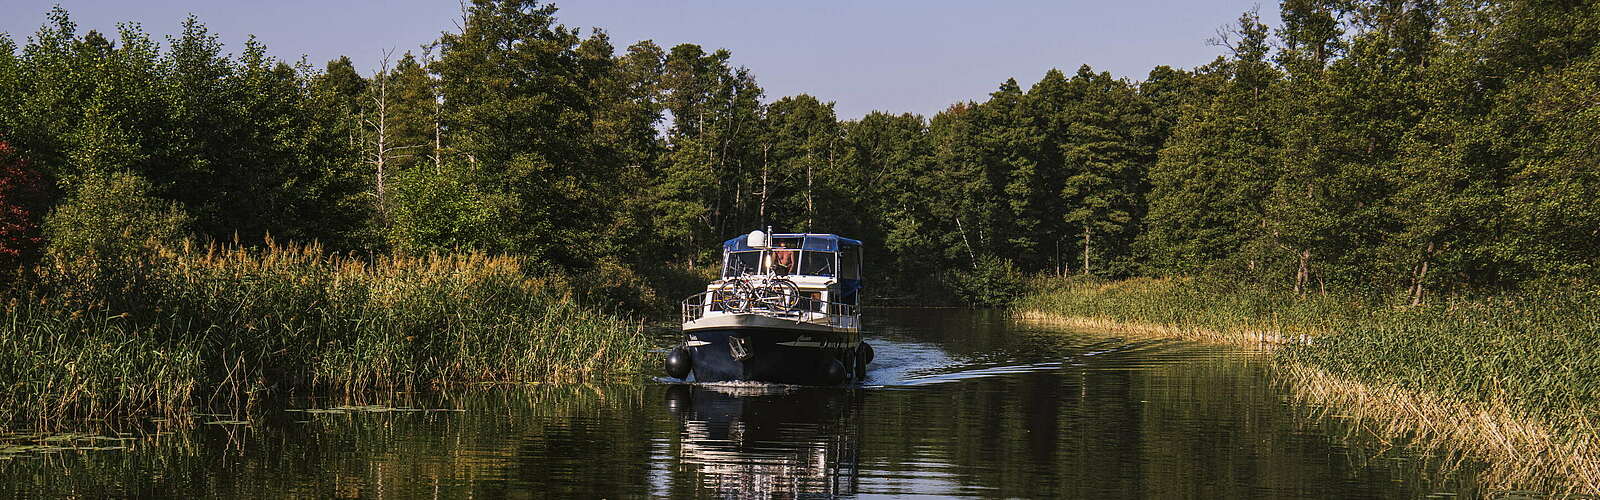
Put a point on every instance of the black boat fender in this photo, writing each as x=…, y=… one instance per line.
x=679, y=362
x=860, y=357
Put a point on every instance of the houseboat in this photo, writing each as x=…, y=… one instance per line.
x=786, y=309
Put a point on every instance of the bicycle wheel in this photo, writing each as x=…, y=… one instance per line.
x=782, y=295
x=735, y=296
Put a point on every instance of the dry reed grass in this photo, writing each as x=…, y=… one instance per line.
x=1503, y=381
x=1252, y=338
x=168, y=330
x=1519, y=452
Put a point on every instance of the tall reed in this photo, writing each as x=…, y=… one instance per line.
x=170, y=330
x=1201, y=309
x=1529, y=359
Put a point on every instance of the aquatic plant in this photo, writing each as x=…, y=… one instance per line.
x=161, y=333
x=1187, y=307
x=1527, y=360
x=993, y=282
x=1516, y=451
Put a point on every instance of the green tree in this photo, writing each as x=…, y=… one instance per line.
x=718, y=107
x=1555, y=179
x=629, y=109
x=1107, y=156
x=516, y=104
x=1207, y=186
x=800, y=174
x=1009, y=144
x=111, y=216
x=683, y=202
x=963, y=196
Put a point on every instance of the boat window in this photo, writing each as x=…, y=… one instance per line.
x=782, y=257
x=816, y=263
x=741, y=263
x=850, y=263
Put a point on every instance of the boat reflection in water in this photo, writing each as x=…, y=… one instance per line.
x=760, y=440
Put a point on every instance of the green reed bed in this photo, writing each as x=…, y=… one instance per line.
x=1538, y=352
x=1514, y=380
x=1206, y=309
x=173, y=330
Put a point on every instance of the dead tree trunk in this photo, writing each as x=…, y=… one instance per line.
x=1086, y=249
x=380, y=154
x=810, y=161
x=1421, y=275
x=964, y=242
x=1302, y=276
x=765, y=168
x=383, y=149
x=438, y=138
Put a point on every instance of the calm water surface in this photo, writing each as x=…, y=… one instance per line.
x=957, y=404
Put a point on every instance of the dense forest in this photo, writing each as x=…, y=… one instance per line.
x=1398, y=148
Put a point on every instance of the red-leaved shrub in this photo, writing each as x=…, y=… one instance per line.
x=24, y=197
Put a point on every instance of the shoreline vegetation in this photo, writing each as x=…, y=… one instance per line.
x=1500, y=380
x=494, y=205
x=177, y=329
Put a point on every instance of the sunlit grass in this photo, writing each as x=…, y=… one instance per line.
x=176, y=329
x=1512, y=379
x=1519, y=451
x=1186, y=308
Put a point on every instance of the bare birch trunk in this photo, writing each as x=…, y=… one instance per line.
x=382, y=147
x=1302, y=277
x=381, y=154
x=968, y=244
x=765, y=164
x=1421, y=275
x=438, y=138
x=809, y=167
x=1086, y=249
x=383, y=133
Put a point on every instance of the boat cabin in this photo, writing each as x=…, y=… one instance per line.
x=814, y=262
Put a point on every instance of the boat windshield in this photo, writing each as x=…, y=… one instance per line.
x=740, y=263
x=812, y=263
x=816, y=263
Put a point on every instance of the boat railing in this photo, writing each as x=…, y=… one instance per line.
x=798, y=309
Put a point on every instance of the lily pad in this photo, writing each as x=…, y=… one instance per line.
x=228, y=422
x=59, y=438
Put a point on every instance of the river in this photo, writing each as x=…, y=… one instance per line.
x=957, y=404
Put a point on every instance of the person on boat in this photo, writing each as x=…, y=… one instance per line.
x=783, y=259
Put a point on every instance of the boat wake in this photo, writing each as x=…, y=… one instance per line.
x=912, y=365
x=903, y=363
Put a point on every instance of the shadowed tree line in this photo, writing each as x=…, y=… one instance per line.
x=1405, y=148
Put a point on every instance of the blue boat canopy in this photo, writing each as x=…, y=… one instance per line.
x=824, y=242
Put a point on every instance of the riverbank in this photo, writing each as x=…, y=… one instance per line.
x=1509, y=380
x=171, y=331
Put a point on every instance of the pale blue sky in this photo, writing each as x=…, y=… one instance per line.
x=891, y=55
